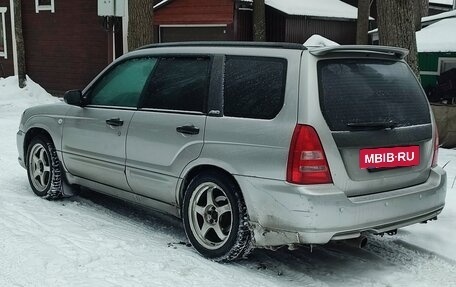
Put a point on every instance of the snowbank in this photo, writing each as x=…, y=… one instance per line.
x=12, y=97
x=320, y=8
x=438, y=236
x=319, y=41
x=438, y=37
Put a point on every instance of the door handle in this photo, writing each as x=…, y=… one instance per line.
x=115, y=122
x=189, y=130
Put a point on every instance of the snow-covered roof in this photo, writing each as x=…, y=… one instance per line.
x=438, y=37
x=318, y=8
x=443, y=2
x=161, y=3
x=428, y=19
x=439, y=16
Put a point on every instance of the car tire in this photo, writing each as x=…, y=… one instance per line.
x=44, y=170
x=215, y=218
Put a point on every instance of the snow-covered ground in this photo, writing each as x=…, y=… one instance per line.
x=92, y=240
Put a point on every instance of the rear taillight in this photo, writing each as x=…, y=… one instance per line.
x=435, y=156
x=307, y=161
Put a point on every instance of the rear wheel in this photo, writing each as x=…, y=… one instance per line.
x=215, y=217
x=43, y=168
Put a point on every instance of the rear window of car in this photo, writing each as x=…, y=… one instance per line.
x=254, y=87
x=368, y=91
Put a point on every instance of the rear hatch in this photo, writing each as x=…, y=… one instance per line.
x=380, y=122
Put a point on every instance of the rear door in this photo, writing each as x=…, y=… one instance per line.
x=379, y=121
x=167, y=132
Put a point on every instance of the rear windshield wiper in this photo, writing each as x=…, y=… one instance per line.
x=373, y=125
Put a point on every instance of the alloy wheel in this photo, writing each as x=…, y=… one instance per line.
x=210, y=215
x=39, y=165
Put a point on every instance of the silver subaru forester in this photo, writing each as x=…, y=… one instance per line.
x=252, y=145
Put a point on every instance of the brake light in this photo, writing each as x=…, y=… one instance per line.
x=306, y=159
x=435, y=156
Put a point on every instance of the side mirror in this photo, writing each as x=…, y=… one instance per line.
x=73, y=97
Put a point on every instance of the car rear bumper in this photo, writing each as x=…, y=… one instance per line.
x=282, y=213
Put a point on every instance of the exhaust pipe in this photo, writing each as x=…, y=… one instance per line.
x=359, y=242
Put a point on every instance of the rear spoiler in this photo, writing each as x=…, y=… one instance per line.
x=384, y=50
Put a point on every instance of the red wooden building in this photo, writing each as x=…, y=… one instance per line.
x=190, y=20
x=66, y=43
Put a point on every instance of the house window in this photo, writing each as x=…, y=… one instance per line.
x=447, y=64
x=44, y=5
x=3, y=52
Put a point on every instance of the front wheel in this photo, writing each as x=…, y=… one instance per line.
x=44, y=169
x=215, y=217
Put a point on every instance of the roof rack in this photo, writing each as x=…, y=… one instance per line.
x=400, y=53
x=278, y=45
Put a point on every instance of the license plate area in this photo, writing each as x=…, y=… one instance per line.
x=390, y=157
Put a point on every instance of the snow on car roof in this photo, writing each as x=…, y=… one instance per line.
x=319, y=41
x=320, y=8
x=438, y=37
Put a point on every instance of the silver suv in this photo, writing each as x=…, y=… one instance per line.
x=252, y=145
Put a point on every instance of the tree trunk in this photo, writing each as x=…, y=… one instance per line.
x=259, y=26
x=424, y=8
x=20, y=44
x=140, y=23
x=396, y=27
x=421, y=10
x=417, y=14
x=363, y=22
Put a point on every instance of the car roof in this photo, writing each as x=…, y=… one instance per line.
x=278, y=45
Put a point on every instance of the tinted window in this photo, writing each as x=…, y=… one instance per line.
x=370, y=91
x=179, y=84
x=254, y=87
x=123, y=85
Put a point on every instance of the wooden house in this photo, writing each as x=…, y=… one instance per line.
x=66, y=42
x=296, y=20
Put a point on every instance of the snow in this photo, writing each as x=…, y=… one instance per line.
x=438, y=37
x=161, y=3
x=319, y=41
x=92, y=240
x=444, y=2
x=442, y=15
x=320, y=8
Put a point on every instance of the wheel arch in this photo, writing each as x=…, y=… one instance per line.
x=30, y=134
x=198, y=169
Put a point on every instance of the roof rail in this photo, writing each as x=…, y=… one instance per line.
x=400, y=53
x=278, y=45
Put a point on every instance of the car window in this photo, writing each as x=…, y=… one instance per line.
x=356, y=91
x=179, y=84
x=122, y=86
x=254, y=86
